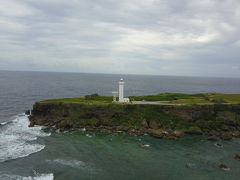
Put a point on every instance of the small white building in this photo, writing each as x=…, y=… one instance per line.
x=121, y=92
x=115, y=93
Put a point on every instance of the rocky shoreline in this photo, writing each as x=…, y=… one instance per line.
x=156, y=133
x=215, y=121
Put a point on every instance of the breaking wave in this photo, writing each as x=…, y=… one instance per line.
x=38, y=177
x=76, y=164
x=17, y=139
x=71, y=163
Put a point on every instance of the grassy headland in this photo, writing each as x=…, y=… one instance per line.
x=88, y=99
x=216, y=115
x=172, y=98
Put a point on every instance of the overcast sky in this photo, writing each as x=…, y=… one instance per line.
x=165, y=37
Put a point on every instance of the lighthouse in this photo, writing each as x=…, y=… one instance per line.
x=121, y=92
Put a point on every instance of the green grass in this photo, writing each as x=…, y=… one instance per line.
x=88, y=99
x=167, y=97
x=179, y=98
x=189, y=101
x=172, y=98
x=228, y=98
x=77, y=100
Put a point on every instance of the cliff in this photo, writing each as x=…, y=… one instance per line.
x=158, y=120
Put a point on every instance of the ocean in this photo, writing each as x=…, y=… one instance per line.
x=32, y=153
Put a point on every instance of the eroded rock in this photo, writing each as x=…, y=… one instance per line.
x=224, y=167
x=153, y=124
x=237, y=156
x=226, y=136
x=213, y=138
x=159, y=133
x=194, y=131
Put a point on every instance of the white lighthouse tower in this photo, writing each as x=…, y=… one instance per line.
x=121, y=92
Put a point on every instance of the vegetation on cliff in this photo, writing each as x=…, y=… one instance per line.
x=88, y=99
x=222, y=120
x=179, y=98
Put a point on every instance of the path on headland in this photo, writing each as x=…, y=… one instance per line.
x=149, y=102
x=167, y=103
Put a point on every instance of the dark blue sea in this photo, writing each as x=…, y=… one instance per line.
x=30, y=153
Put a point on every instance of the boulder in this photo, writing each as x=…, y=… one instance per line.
x=31, y=124
x=194, y=130
x=213, y=138
x=63, y=125
x=172, y=137
x=224, y=167
x=144, y=123
x=236, y=134
x=122, y=128
x=218, y=145
x=27, y=112
x=225, y=128
x=237, y=156
x=178, y=133
x=159, y=133
x=153, y=124
x=226, y=136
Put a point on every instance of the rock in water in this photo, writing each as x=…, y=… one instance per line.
x=31, y=124
x=28, y=112
x=144, y=145
x=237, y=156
x=156, y=133
x=213, y=138
x=83, y=129
x=89, y=135
x=218, y=145
x=224, y=167
x=189, y=165
x=178, y=133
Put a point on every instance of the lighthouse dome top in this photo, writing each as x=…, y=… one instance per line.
x=121, y=79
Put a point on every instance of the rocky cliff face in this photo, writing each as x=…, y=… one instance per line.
x=218, y=120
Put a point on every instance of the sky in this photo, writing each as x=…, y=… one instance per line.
x=158, y=37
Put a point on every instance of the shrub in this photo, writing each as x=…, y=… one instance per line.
x=218, y=100
x=91, y=96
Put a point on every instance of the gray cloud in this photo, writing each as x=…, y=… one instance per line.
x=169, y=37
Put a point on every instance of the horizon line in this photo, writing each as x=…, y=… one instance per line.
x=133, y=74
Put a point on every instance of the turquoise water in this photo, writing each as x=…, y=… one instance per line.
x=73, y=155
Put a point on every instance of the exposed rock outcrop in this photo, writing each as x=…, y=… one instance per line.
x=215, y=120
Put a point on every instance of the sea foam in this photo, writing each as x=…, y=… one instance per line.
x=71, y=163
x=38, y=177
x=16, y=139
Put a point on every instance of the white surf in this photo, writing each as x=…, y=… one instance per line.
x=71, y=163
x=17, y=139
x=38, y=177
